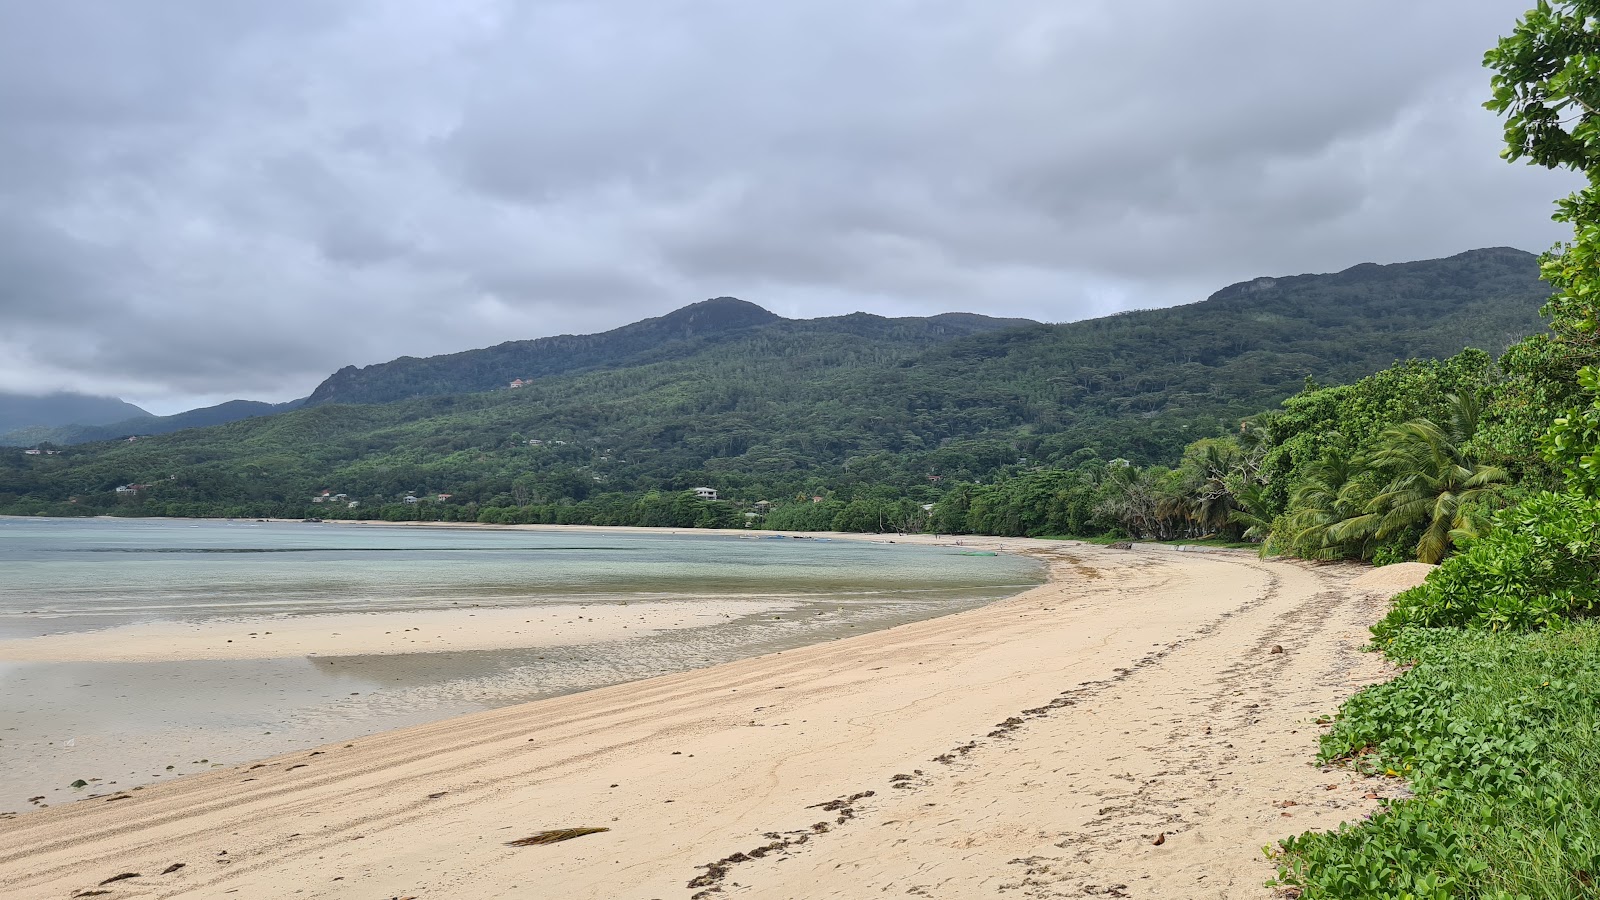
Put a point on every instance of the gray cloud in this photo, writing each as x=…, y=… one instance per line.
x=202, y=199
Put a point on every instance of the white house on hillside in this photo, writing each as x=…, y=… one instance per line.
x=705, y=493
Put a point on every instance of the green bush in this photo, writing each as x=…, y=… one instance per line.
x=1573, y=442
x=1537, y=566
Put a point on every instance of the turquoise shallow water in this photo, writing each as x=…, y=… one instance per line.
x=126, y=722
x=76, y=574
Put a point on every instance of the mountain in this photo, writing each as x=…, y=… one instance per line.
x=763, y=407
x=145, y=424
x=697, y=325
x=63, y=408
x=1128, y=383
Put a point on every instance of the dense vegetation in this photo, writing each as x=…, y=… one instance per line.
x=1497, y=721
x=1380, y=469
x=856, y=409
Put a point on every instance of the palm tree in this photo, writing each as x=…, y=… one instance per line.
x=1213, y=501
x=1322, y=502
x=1253, y=510
x=1433, y=482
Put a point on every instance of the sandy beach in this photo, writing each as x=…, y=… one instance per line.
x=1139, y=727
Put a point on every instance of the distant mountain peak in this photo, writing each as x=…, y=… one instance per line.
x=496, y=367
x=143, y=423
x=718, y=313
x=61, y=408
x=514, y=365
x=1462, y=268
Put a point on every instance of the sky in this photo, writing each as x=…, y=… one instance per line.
x=209, y=199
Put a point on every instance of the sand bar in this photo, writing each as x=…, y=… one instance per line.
x=1037, y=746
x=367, y=634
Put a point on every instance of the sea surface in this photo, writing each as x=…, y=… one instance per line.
x=116, y=725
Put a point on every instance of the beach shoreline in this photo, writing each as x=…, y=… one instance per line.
x=1040, y=743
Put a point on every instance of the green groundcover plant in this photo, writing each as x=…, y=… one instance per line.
x=1499, y=735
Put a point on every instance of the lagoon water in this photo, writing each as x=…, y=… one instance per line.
x=121, y=724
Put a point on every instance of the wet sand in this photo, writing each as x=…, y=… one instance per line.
x=370, y=633
x=1039, y=745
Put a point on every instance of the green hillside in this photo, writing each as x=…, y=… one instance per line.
x=761, y=407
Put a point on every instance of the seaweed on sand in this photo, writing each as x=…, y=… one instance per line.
x=553, y=837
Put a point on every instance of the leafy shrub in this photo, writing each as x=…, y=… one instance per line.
x=1573, y=442
x=1538, y=565
x=1396, y=550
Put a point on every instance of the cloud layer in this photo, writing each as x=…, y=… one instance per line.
x=210, y=198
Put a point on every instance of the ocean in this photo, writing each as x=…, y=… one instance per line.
x=116, y=725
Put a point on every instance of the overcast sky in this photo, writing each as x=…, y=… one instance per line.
x=205, y=199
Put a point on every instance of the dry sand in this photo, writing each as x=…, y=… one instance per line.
x=1038, y=747
x=1391, y=580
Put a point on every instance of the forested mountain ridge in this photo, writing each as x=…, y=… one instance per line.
x=768, y=410
x=683, y=332
x=1242, y=350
